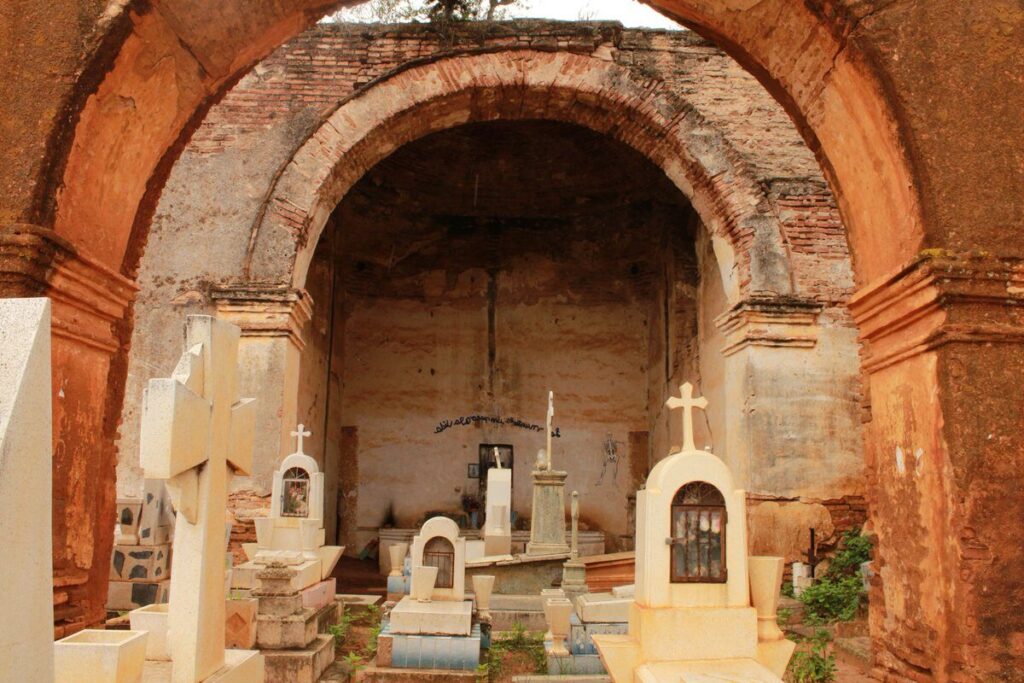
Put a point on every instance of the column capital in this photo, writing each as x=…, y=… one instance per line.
x=780, y=321
x=937, y=299
x=90, y=300
x=265, y=310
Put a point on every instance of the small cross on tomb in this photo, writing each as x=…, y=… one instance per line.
x=687, y=402
x=299, y=433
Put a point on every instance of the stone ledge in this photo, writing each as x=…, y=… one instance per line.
x=937, y=299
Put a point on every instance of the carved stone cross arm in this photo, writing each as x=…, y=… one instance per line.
x=178, y=416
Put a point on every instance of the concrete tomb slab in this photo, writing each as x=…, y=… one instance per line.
x=411, y=616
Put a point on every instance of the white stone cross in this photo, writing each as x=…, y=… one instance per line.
x=551, y=414
x=497, y=456
x=300, y=433
x=195, y=430
x=687, y=403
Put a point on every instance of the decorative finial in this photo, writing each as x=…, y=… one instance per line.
x=301, y=432
x=687, y=402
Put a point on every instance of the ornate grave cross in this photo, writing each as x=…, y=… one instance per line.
x=687, y=402
x=301, y=432
x=551, y=415
x=195, y=431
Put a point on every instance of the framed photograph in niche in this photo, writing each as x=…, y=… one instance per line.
x=295, y=493
x=473, y=470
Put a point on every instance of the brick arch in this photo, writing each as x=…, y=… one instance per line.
x=519, y=85
x=918, y=181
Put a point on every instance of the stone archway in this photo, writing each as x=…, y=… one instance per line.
x=858, y=78
x=518, y=85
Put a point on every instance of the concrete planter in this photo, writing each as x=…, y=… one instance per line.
x=100, y=657
x=240, y=623
x=153, y=620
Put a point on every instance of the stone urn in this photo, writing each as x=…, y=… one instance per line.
x=483, y=586
x=545, y=594
x=423, y=579
x=557, y=611
x=765, y=581
x=396, y=553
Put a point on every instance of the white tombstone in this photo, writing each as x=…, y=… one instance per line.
x=498, y=522
x=692, y=614
x=196, y=432
x=445, y=611
x=441, y=535
x=293, y=534
x=26, y=497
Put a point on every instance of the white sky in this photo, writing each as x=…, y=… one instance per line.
x=629, y=12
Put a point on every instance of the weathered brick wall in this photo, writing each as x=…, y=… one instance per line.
x=302, y=82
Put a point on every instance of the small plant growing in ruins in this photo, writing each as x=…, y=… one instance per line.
x=855, y=550
x=341, y=629
x=816, y=663
x=837, y=596
x=353, y=662
x=371, y=646
x=831, y=600
x=518, y=640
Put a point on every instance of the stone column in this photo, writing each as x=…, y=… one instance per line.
x=547, y=525
x=271, y=319
x=944, y=360
x=90, y=306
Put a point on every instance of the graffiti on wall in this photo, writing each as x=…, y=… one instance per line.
x=468, y=420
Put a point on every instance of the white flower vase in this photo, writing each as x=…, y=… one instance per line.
x=483, y=586
x=765, y=581
x=423, y=579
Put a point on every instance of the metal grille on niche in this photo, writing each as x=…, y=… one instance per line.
x=698, y=535
x=439, y=552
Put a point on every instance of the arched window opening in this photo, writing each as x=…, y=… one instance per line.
x=698, y=534
x=439, y=552
x=295, y=493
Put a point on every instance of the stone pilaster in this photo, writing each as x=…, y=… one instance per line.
x=764, y=340
x=271, y=319
x=90, y=308
x=944, y=354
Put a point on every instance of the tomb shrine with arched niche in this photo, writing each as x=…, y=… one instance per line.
x=692, y=616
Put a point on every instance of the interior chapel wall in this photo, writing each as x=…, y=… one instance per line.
x=411, y=361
